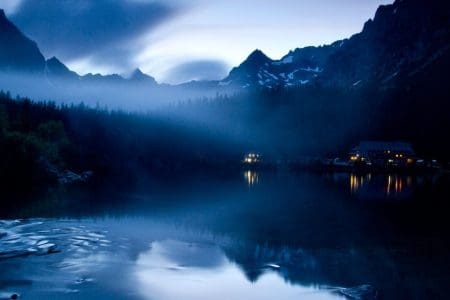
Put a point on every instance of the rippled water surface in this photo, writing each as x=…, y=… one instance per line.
x=254, y=236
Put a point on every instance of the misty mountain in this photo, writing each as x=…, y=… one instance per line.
x=139, y=77
x=56, y=69
x=402, y=43
x=20, y=54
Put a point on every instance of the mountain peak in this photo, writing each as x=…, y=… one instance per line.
x=137, y=73
x=138, y=76
x=17, y=52
x=55, y=68
x=54, y=60
x=258, y=56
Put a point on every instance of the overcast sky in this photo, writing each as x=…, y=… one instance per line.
x=180, y=40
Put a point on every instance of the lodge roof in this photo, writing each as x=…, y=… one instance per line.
x=383, y=146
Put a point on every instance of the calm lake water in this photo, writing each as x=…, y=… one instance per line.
x=244, y=236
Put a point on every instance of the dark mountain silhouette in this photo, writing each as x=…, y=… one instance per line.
x=17, y=52
x=246, y=74
x=399, y=42
x=402, y=39
x=297, y=68
x=20, y=54
x=139, y=77
x=403, y=42
x=56, y=69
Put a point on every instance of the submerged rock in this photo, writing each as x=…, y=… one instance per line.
x=8, y=296
x=69, y=177
x=361, y=292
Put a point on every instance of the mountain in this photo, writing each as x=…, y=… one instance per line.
x=399, y=45
x=17, y=52
x=20, y=54
x=298, y=67
x=54, y=68
x=139, y=77
x=247, y=72
x=399, y=42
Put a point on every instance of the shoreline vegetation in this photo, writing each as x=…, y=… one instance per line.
x=44, y=144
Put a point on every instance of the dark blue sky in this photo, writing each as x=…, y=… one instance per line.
x=179, y=40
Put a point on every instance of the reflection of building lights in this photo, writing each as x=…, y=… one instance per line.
x=251, y=177
x=394, y=183
x=408, y=181
x=388, y=186
x=357, y=182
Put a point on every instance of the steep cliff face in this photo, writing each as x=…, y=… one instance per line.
x=399, y=42
x=405, y=43
x=18, y=53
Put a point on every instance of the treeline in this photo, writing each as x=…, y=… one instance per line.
x=31, y=137
x=114, y=145
x=212, y=134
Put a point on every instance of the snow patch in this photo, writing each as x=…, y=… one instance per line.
x=288, y=59
x=271, y=75
x=291, y=75
x=313, y=70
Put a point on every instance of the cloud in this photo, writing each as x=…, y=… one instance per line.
x=99, y=29
x=197, y=70
x=10, y=6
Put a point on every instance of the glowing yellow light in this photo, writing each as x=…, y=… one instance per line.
x=251, y=177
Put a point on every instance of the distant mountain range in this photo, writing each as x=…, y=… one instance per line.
x=20, y=54
x=402, y=41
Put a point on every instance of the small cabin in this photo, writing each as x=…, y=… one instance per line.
x=380, y=153
x=252, y=158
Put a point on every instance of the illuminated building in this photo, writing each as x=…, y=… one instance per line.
x=380, y=153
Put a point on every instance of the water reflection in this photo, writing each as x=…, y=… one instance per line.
x=387, y=185
x=181, y=270
x=251, y=177
x=294, y=236
x=358, y=181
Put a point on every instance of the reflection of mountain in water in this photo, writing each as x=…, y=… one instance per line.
x=366, y=272
x=167, y=259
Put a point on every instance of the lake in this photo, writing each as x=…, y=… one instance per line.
x=250, y=235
